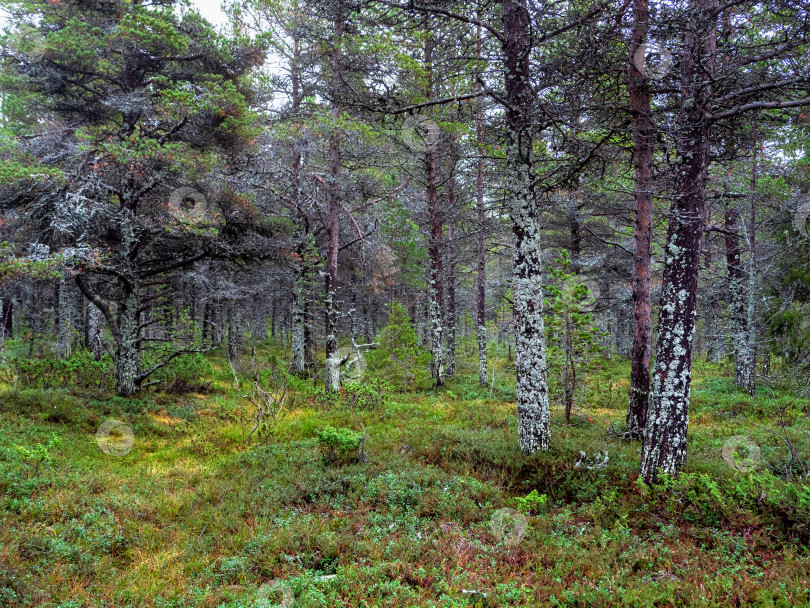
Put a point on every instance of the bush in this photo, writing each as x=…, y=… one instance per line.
x=79, y=371
x=399, y=360
x=186, y=374
x=54, y=406
x=339, y=445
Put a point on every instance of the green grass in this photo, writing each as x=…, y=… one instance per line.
x=194, y=516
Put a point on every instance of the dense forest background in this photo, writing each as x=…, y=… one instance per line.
x=510, y=247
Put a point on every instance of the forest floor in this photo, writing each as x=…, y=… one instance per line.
x=194, y=516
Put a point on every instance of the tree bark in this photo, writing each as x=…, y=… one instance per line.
x=236, y=340
x=95, y=331
x=452, y=314
x=750, y=368
x=436, y=236
x=298, y=326
x=664, y=449
x=643, y=140
x=65, y=320
x=332, y=381
x=736, y=295
x=8, y=317
x=127, y=351
x=534, y=429
x=480, y=250
x=299, y=308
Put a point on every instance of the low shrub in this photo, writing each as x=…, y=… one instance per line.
x=186, y=374
x=81, y=370
x=339, y=445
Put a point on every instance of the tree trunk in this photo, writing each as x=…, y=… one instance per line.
x=736, y=295
x=569, y=371
x=8, y=317
x=643, y=140
x=127, y=351
x=480, y=251
x=332, y=382
x=258, y=323
x=664, y=449
x=95, y=331
x=298, y=324
x=452, y=319
x=236, y=340
x=750, y=372
x=534, y=429
x=298, y=329
x=273, y=318
x=436, y=227
x=65, y=321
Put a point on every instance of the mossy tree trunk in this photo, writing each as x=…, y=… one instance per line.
x=664, y=449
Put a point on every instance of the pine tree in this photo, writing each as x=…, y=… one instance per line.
x=572, y=334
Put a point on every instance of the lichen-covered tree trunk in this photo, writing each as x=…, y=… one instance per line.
x=236, y=339
x=95, y=331
x=737, y=299
x=643, y=134
x=750, y=362
x=534, y=429
x=664, y=449
x=127, y=343
x=435, y=238
x=332, y=380
x=452, y=313
x=258, y=321
x=480, y=245
x=299, y=310
x=298, y=326
x=65, y=320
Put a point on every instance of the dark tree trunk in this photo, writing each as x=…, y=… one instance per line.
x=534, y=429
x=643, y=140
x=8, y=317
x=664, y=448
